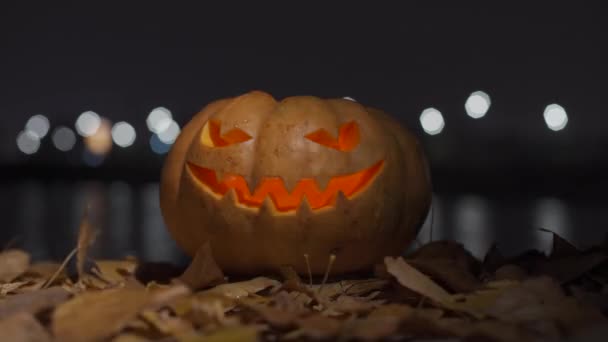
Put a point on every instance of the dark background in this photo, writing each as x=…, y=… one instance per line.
x=498, y=178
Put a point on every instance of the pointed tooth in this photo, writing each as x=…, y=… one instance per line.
x=341, y=202
x=230, y=197
x=322, y=181
x=304, y=210
x=267, y=208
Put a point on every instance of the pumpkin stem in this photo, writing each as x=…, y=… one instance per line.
x=332, y=259
x=308, y=269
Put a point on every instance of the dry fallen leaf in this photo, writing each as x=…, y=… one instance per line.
x=510, y=272
x=94, y=316
x=561, y=247
x=372, y=328
x=232, y=334
x=276, y=317
x=446, y=249
x=566, y=269
x=411, y=278
x=478, y=303
x=166, y=324
x=448, y=272
x=493, y=259
x=353, y=287
x=346, y=304
x=33, y=302
x=543, y=300
x=416, y=281
x=486, y=330
x=42, y=269
x=23, y=327
x=11, y=287
x=97, y=315
x=130, y=337
x=244, y=288
x=116, y=271
x=210, y=312
x=13, y=263
x=113, y=301
x=319, y=327
x=598, y=300
x=203, y=271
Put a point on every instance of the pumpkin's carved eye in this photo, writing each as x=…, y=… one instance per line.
x=211, y=135
x=348, y=137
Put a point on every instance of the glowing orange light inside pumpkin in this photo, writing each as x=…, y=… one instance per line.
x=213, y=138
x=282, y=199
x=348, y=138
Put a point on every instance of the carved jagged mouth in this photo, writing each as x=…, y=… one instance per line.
x=305, y=191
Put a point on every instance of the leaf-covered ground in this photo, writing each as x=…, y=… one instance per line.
x=440, y=292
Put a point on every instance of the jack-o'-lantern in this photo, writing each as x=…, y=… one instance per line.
x=266, y=182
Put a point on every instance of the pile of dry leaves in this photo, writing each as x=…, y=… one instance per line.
x=438, y=292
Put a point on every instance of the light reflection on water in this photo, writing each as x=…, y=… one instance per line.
x=44, y=217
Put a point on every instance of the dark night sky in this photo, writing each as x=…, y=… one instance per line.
x=122, y=61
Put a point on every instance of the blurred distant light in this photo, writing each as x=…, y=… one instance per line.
x=159, y=119
x=64, y=138
x=101, y=142
x=39, y=125
x=555, y=117
x=169, y=135
x=477, y=104
x=28, y=142
x=432, y=121
x=158, y=146
x=88, y=123
x=349, y=98
x=123, y=134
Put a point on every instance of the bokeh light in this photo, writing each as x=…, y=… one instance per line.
x=38, y=125
x=159, y=119
x=88, y=123
x=100, y=143
x=158, y=146
x=28, y=142
x=555, y=117
x=478, y=104
x=64, y=138
x=123, y=134
x=169, y=135
x=432, y=121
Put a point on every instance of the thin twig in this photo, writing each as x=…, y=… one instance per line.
x=61, y=268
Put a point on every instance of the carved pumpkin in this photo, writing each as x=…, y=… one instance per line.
x=267, y=182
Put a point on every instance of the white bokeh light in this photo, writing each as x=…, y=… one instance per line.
x=38, y=125
x=477, y=104
x=64, y=138
x=555, y=117
x=159, y=119
x=169, y=135
x=432, y=121
x=123, y=134
x=88, y=123
x=28, y=142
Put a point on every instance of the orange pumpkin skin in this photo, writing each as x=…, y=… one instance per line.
x=257, y=140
